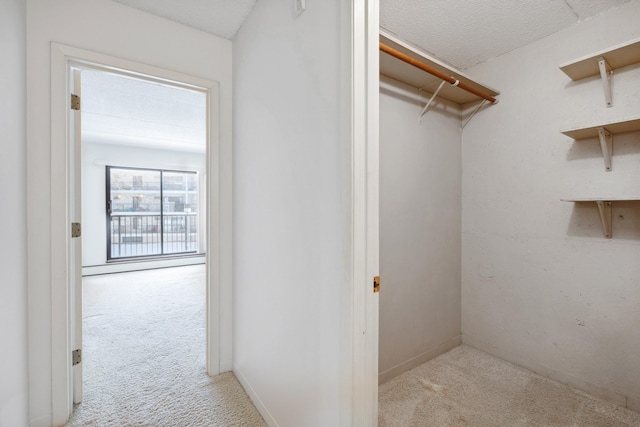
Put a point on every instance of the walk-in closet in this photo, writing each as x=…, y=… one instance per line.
x=510, y=229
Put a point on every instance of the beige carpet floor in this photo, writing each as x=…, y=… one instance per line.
x=466, y=387
x=144, y=355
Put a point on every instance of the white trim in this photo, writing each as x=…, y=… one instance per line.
x=255, y=399
x=218, y=182
x=365, y=205
x=61, y=375
x=418, y=360
x=373, y=199
x=124, y=266
x=213, y=244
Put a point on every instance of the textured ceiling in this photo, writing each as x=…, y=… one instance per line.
x=219, y=17
x=464, y=33
x=460, y=32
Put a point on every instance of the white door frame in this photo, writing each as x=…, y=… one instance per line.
x=218, y=253
x=365, y=83
x=75, y=211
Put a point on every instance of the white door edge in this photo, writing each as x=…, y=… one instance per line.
x=365, y=226
x=75, y=209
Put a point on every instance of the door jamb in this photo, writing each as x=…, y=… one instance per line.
x=364, y=85
x=218, y=254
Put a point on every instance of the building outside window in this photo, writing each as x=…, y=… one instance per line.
x=151, y=212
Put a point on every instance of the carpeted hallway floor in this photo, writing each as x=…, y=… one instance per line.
x=144, y=355
x=466, y=387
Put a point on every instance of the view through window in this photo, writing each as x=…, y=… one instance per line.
x=151, y=212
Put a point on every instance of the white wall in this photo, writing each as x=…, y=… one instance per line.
x=291, y=212
x=541, y=286
x=13, y=250
x=113, y=29
x=95, y=157
x=420, y=205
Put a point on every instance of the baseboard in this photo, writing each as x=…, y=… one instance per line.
x=42, y=422
x=633, y=403
x=122, y=267
x=565, y=378
x=257, y=402
x=418, y=360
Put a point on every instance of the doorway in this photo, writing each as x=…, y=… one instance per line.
x=65, y=278
x=143, y=174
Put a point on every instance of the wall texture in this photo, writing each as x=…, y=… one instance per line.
x=291, y=218
x=541, y=286
x=13, y=251
x=420, y=205
x=110, y=28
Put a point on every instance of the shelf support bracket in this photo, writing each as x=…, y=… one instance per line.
x=424, y=110
x=484, y=101
x=604, y=208
x=605, y=74
x=606, y=144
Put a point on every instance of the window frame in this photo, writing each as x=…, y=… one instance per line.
x=109, y=212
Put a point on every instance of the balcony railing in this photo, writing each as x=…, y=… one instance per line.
x=140, y=234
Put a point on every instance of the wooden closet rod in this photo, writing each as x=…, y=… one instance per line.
x=439, y=74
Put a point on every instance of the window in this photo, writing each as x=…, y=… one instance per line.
x=151, y=212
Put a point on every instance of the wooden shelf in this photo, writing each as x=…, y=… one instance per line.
x=603, y=63
x=617, y=57
x=604, y=208
x=605, y=134
x=405, y=73
x=601, y=199
x=629, y=125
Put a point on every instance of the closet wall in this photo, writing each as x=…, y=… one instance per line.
x=541, y=286
x=420, y=191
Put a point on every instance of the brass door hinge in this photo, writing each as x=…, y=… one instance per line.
x=376, y=284
x=76, y=230
x=75, y=102
x=76, y=357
